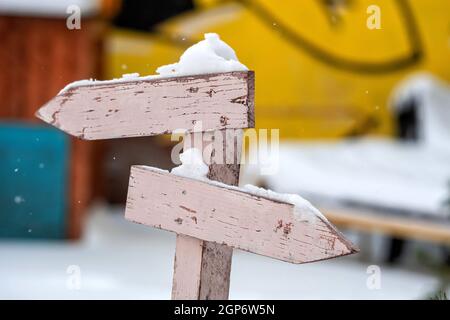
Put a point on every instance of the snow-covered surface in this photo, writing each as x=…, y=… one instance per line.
x=192, y=166
x=432, y=99
x=303, y=209
x=126, y=78
x=48, y=8
x=412, y=177
x=122, y=260
x=385, y=173
x=210, y=55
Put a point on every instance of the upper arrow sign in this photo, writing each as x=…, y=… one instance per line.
x=147, y=107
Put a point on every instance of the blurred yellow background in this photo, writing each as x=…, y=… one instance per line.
x=321, y=72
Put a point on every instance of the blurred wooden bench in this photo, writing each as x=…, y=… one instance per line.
x=399, y=227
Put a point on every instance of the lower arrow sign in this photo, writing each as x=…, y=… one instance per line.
x=235, y=217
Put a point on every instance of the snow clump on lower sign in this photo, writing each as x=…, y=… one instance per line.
x=192, y=166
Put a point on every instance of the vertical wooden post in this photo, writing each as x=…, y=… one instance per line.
x=202, y=268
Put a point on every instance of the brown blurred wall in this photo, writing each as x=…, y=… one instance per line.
x=38, y=57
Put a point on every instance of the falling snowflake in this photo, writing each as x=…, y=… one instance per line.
x=19, y=199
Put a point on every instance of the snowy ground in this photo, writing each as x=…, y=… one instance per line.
x=121, y=260
x=395, y=175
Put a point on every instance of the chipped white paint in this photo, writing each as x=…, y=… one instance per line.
x=152, y=107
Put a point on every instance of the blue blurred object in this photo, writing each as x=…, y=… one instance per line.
x=34, y=171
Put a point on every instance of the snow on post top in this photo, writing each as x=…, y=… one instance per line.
x=211, y=55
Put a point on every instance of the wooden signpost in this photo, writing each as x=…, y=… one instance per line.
x=209, y=219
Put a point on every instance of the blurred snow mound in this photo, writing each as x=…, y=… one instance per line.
x=431, y=97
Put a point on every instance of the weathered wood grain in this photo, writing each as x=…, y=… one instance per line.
x=152, y=107
x=202, y=268
x=231, y=217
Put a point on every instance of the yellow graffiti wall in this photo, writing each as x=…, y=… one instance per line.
x=323, y=68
